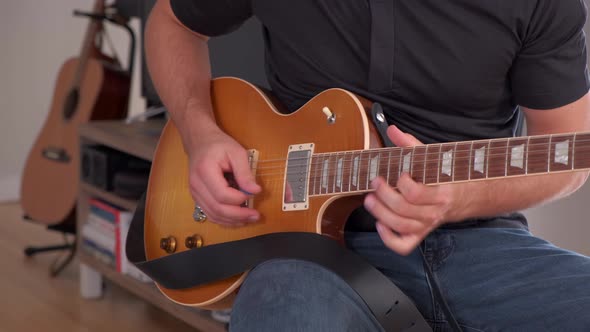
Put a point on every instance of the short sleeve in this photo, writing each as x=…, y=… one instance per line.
x=212, y=17
x=550, y=70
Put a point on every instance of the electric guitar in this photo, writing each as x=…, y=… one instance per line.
x=89, y=87
x=314, y=165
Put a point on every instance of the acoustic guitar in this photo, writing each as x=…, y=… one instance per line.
x=89, y=87
x=314, y=165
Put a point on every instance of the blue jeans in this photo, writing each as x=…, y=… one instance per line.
x=494, y=279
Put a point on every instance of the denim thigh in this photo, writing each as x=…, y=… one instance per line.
x=494, y=279
x=294, y=295
x=509, y=280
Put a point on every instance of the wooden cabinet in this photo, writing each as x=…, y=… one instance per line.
x=138, y=139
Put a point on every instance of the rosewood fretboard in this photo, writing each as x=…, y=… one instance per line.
x=352, y=171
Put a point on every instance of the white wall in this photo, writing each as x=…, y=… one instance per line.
x=36, y=37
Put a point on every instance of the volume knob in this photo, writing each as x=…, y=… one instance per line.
x=195, y=241
x=168, y=244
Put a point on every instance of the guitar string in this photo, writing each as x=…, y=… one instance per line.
x=533, y=160
x=364, y=186
x=459, y=176
x=374, y=152
x=504, y=149
x=493, y=172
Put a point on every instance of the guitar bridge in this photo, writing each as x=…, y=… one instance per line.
x=56, y=154
x=253, y=161
x=229, y=177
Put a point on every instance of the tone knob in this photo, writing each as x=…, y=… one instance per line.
x=168, y=244
x=195, y=241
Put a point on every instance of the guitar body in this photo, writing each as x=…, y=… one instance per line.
x=247, y=114
x=50, y=181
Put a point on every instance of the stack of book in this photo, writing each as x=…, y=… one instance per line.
x=104, y=235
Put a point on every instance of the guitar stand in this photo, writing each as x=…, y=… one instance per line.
x=59, y=264
x=119, y=21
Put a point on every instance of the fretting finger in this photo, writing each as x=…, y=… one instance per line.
x=400, y=243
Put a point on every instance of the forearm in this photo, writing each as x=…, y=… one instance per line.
x=178, y=62
x=489, y=198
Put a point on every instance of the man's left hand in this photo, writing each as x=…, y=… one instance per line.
x=408, y=213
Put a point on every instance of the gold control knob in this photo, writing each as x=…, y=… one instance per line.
x=168, y=244
x=195, y=241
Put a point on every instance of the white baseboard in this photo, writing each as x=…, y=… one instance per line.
x=10, y=188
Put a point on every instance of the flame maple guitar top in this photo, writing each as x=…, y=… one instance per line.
x=247, y=114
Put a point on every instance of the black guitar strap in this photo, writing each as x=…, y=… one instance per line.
x=392, y=308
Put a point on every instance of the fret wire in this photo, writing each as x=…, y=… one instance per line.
x=336, y=170
x=488, y=159
x=470, y=153
x=549, y=153
x=356, y=171
x=335, y=173
x=320, y=168
x=440, y=152
x=453, y=163
x=364, y=153
x=341, y=171
x=350, y=171
x=324, y=181
x=328, y=170
x=359, y=165
x=399, y=168
x=315, y=174
x=425, y=158
x=368, y=170
x=388, y=162
x=506, y=161
x=412, y=161
x=574, y=152
x=356, y=175
x=526, y=167
x=327, y=175
x=323, y=176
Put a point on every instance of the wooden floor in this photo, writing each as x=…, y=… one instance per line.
x=32, y=301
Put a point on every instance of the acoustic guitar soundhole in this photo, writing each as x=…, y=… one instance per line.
x=71, y=104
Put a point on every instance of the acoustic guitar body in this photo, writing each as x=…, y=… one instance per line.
x=247, y=114
x=51, y=175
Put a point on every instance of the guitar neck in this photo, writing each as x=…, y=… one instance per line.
x=88, y=46
x=352, y=171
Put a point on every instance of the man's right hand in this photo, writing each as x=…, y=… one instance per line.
x=211, y=156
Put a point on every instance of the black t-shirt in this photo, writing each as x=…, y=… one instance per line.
x=448, y=70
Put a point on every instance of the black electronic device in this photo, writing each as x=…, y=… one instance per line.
x=100, y=164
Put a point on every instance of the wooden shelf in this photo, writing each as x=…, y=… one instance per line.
x=148, y=291
x=138, y=139
x=108, y=196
